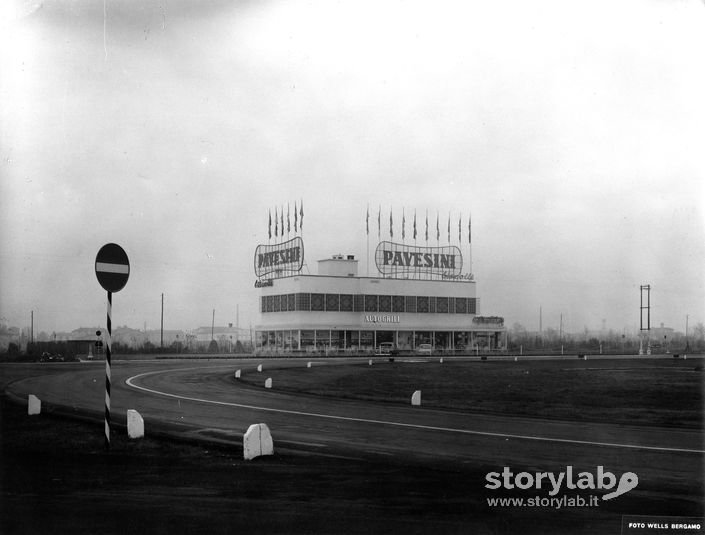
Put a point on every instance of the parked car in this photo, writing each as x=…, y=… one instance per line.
x=387, y=348
x=48, y=357
x=424, y=348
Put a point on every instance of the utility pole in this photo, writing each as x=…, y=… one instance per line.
x=687, y=347
x=161, y=339
x=31, y=332
x=213, y=326
x=645, y=288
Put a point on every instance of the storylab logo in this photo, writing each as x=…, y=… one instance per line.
x=559, y=483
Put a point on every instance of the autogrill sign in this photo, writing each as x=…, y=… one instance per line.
x=382, y=318
x=283, y=258
x=395, y=258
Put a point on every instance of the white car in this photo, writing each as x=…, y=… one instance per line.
x=424, y=348
x=387, y=348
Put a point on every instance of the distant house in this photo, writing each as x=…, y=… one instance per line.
x=225, y=337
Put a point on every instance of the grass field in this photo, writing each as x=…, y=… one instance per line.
x=660, y=392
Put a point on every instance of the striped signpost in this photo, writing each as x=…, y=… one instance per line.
x=112, y=268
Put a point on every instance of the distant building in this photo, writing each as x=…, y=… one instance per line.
x=420, y=295
x=225, y=337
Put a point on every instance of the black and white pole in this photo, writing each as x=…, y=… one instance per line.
x=107, y=371
x=112, y=268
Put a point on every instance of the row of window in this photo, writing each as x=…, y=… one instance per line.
x=308, y=302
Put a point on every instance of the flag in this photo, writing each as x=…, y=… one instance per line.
x=438, y=228
x=460, y=231
x=270, y=224
x=391, y=224
x=469, y=229
x=288, y=219
x=448, y=227
x=276, y=223
x=301, y=215
x=379, y=222
x=403, y=223
x=296, y=219
x=414, y=225
x=282, y=216
x=367, y=220
x=426, y=224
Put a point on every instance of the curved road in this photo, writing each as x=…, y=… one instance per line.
x=203, y=400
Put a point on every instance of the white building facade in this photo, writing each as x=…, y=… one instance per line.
x=420, y=297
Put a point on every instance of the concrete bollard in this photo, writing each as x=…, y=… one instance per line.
x=515, y=359
x=238, y=373
x=416, y=398
x=268, y=383
x=259, y=368
x=135, y=424
x=308, y=365
x=257, y=441
x=370, y=362
x=34, y=405
x=441, y=361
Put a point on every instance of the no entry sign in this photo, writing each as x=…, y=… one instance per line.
x=112, y=267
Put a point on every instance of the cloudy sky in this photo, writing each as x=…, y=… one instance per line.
x=571, y=131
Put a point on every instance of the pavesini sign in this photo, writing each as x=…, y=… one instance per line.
x=282, y=258
x=397, y=259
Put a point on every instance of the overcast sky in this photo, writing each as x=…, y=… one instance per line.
x=573, y=132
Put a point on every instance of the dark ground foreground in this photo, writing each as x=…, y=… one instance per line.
x=56, y=477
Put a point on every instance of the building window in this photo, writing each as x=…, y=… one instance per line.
x=368, y=303
x=359, y=303
x=332, y=302
x=411, y=303
x=303, y=302
x=317, y=302
x=346, y=303
x=307, y=339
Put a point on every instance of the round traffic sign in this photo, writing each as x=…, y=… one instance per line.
x=112, y=267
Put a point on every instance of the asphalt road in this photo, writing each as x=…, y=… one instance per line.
x=202, y=400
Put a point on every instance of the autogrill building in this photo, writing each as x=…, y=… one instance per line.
x=420, y=296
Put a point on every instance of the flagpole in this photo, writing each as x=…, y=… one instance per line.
x=367, y=228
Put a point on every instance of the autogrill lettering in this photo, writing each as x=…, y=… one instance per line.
x=383, y=318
